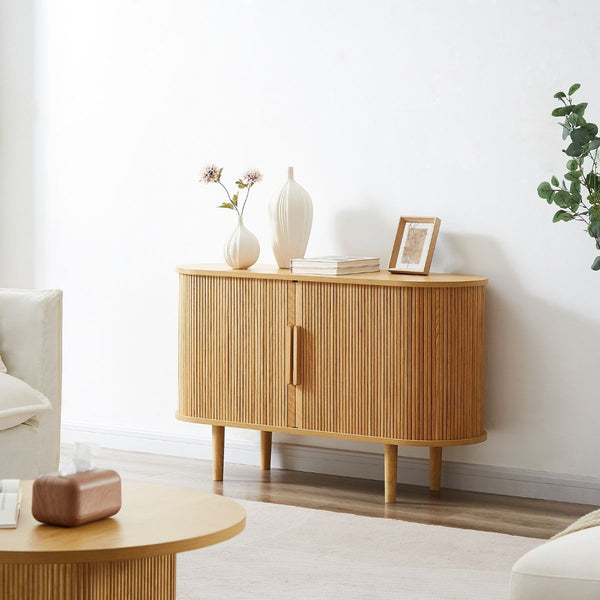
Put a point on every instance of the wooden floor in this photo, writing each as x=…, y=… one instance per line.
x=453, y=508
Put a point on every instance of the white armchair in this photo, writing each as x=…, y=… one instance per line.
x=31, y=349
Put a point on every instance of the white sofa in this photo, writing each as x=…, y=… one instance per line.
x=566, y=568
x=31, y=349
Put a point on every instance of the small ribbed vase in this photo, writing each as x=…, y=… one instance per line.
x=291, y=219
x=241, y=249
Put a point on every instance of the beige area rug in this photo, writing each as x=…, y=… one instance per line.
x=298, y=553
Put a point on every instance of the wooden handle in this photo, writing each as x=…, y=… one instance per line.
x=289, y=334
x=295, y=344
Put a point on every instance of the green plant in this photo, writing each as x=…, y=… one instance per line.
x=580, y=201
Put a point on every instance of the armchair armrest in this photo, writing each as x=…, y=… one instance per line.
x=31, y=348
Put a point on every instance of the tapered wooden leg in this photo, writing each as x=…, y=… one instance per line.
x=218, y=435
x=435, y=468
x=265, y=450
x=390, y=457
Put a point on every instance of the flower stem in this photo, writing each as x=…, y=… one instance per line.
x=230, y=200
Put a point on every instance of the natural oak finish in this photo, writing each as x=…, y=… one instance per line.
x=393, y=359
x=218, y=439
x=120, y=557
x=265, y=450
x=152, y=577
x=378, y=278
x=390, y=462
x=435, y=468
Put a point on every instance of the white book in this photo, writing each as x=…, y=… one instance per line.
x=327, y=262
x=10, y=502
x=335, y=271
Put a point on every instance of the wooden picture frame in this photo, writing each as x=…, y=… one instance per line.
x=415, y=243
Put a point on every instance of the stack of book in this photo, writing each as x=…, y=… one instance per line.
x=10, y=502
x=334, y=265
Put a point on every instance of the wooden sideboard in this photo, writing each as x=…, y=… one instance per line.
x=375, y=357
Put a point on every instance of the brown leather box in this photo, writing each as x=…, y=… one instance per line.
x=76, y=499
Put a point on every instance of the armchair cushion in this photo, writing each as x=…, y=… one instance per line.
x=19, y=401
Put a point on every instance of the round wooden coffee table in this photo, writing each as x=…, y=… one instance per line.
x=131, y=555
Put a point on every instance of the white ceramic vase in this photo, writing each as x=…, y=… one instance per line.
x=291, y=219
x=241, y=249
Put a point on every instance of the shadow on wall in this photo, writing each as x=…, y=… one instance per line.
x=540, y=357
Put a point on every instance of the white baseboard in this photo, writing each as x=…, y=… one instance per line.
x=365, y=465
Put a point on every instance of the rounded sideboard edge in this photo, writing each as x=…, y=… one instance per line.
x=379, y=278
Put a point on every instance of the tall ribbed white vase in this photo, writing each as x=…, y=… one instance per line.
x=291, y=219
x=241, y=249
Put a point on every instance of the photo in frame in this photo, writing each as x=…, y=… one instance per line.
x=414, y=245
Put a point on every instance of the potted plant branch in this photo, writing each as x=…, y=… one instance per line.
x=579, y=200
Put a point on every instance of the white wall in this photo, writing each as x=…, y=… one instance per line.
x=16, y=143
x=385, y=108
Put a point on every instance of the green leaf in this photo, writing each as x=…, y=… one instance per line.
x=572, y=165
x=554, y=181
x=566, y=129
x=596, y=264
x=595, y=143
x=581, y=135
x=571, y=176
x=544, y=190
x=234, y=199
x=560, y=95
x=580, y=108
x=594, y=214
x=574, y=88
x=592, y=181
x=562, y=199
x=226, y=205
x=575, y=188
x=594, y=229
x=562, y=215
x=562, y=111
x=592, y=130
x=574, y=149
x=219, y=174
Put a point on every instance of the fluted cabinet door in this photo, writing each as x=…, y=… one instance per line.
x=390, y=362
x=232, y=349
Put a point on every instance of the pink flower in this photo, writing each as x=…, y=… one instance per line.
x=211, y=174
x=252, y=176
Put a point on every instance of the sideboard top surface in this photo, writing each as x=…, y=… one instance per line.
x=379, y=278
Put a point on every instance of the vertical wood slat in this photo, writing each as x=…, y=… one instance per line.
x=381, y=361
x=414, y=355
x=153, y=577
x=232, y=354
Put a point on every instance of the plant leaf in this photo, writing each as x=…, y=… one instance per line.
x=554, y=181
x=226, y=205
x=559, y=95
x=574, y=149
x=562, y=111
x=574, y=88
x=544, y=190
x=596, y=264
x=562, y=199
x=562, y=215
x=572, y=165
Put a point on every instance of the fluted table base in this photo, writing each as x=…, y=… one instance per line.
x=140, y=578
